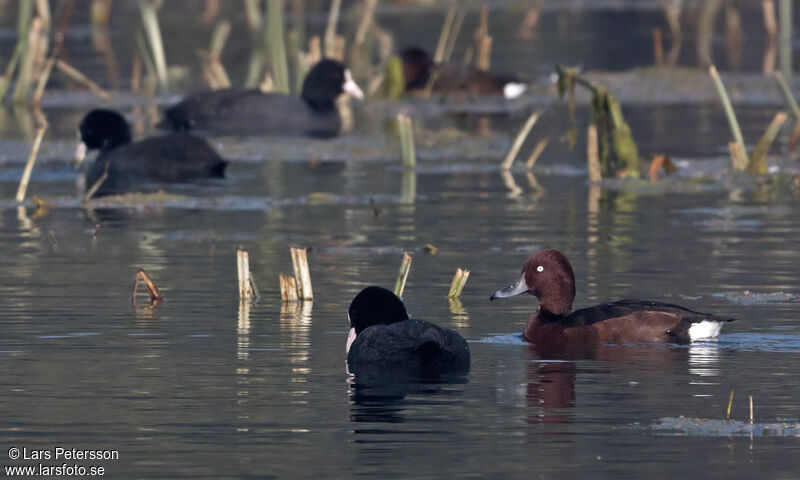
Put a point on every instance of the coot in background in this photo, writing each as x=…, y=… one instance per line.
x=236, y=111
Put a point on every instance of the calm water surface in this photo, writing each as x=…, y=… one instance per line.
x=202, y=387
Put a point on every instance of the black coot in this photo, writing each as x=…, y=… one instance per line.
x=175, y=157
x=235, y=111
x=383, y=340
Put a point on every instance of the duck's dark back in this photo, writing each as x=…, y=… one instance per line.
x=411, y=347
x=251, y=112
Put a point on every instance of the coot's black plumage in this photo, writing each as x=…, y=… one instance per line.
x=175, y=157
x=236, y=111
x=383, y=340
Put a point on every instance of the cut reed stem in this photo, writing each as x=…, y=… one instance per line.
x=150, y=286
x=26, y=174
x=458, y=283
x=537, y=151
x=732, y=121
x=730, y=404
x=288, y=288
x=519, y=140
x=402, y=275
x=77, y=76
x=301, y=273
x=246, y=290
x=405, y=131
x=593, y=155
x=751, y=409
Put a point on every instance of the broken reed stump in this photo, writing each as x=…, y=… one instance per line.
x=288, y=288
x=26, y=174
x=402, y=275
x=248, y=292
x=519, y=140
x=405, y=132
x=537, y=151
x=152, y=290
x=790, y=100
x=757, y=164
x=301, y=273
x=593, y=155
x=739, y=160
x=458, y=283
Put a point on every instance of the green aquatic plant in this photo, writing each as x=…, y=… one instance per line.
x=619, y=154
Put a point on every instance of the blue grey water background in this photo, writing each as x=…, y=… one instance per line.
x=202, y=387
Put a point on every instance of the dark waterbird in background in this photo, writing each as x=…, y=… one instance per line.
x=548, y=276
x=174, y=157
x=235, y=111
x=384, y=341
x=419, y=69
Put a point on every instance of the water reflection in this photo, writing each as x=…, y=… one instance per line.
x=703, y=362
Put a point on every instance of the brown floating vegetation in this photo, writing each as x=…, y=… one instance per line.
x=301, y=273
x=458, y=283
x=150, y=286
x=402, y=275
x=519, y=140
x=618, y=153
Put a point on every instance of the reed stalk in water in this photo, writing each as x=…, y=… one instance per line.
x=330, y=29
x=739, y=161
x=405, y=131
x=246, y=290
x=82, y=79
x=536, y=153
x=757, y=164
x=730, y=404
x=150, y=286
x=301, y=273
x=277, y=46
x=593, y=155
x=402, y=275
x=149, y=13
x=458, y=283
x=26, y=174
x=519, y=140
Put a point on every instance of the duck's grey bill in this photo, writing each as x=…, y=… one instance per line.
x=514, y=289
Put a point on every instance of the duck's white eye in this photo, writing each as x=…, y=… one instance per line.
x=540, y=268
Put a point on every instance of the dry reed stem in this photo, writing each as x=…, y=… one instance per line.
x=402, y=275
x=658, y=48
x=593, y=155
x=77, y=76
x=97, y=184
x=519, y=140
x=37, y=95
x=330, y=29
x=367, y=18
x=458, y=283
x=732, y=121
x=301, y=273
x=405, y=132
x=288, y=288
x=26, y=174
x=149, y=14
x=751, y=409
x=771, y=28
x=451, y=42
x=730, y=404
x=483, y=41
x=537, y=152
x=246, y=292
x=444, y=35
x=150, y=286
x=787, y=95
